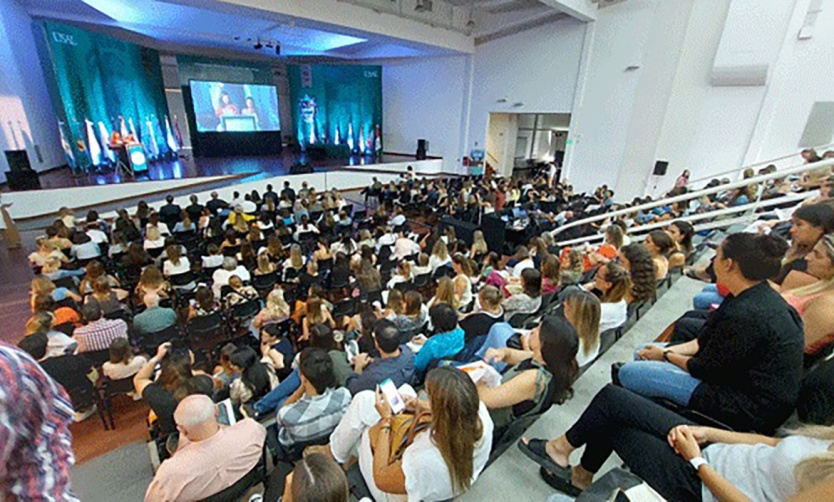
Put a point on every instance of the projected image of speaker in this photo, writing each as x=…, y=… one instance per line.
x=422, y=147
x=660, y=168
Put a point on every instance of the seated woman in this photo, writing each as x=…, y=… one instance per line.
x=445, y=293
x=529, y=299
x=310, y=275
x=745, y=366
x=274, y=249
x=659, y=244
x=679, y=459
x=403, y=274
x=447, y=341
x=340, y=274
x=550, y=274
x=640, y=266
x=815, y=302
x=316, y=313
x=238, y=293
x=277, y=349
x=152, y=281
x=607, y=251
x=203, y=305
x=276, y=310
x=491, y=261
x=46, y=250
x=296, y=261
x=538, y=377
x=611, y=284
x=52, y=269
x=809, y=224
x=154, y=242
x=175, y=263
x=582, y=310
x=439, y=256
x=185, y=225
x=322, y=251
x=414, y=314
x=255, y=378
x=123, y=363
x=442, y=461
x=104, y=296
x=571, y=267
x=681, y=233
x=230, y=240
x=43, y=286
x=265, y=266
x=394, y=305
x=214, y=259
x=464, y=271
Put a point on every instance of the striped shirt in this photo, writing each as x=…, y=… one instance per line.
x=35, y=443
x=98, y=334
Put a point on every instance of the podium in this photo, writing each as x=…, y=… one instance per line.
x=131, y=158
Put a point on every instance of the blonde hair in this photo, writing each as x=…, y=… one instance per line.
x=51, y=264
x=276, y=306
x=816, y=467
x=446, y=293
x=296, y=260
x=479, y=245
x=440, y=250
x=42, y=285
x=152, y=233
x=821, y=285
x=586, y=311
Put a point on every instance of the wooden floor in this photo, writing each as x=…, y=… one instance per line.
x=89, y=439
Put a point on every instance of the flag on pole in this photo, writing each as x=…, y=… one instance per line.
x=105, y=142
x=177, y=132
x=150, y=142
x=122, y=126
x=362, y=139
x=66, y=146
x=377, y=140
x=132, y=130
x=350, y=136
x=94, y=149
x=337, y=137
x=169, y=137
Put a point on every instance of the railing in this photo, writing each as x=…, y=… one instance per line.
x=746, y=208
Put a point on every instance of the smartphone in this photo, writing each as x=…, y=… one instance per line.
x=389, y=390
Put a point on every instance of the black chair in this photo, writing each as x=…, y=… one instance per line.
x=503, y=439
x=372, y=296
x=384, y=256
x=325, y=264
x=86, y=396
x=404, y=287
x=263, y=284
x=111, y=389
x=442, y=272
x=344, y=307
x=204, y=332
x=155, y=252
x=517, y=320
x=421, y=281
x=231, y=251
x=97, y=357
x=243, y=313
x=66, y=282
x=149, y=342
x=184, y=281
x=290, y=274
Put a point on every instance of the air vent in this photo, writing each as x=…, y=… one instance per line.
x=423, y=6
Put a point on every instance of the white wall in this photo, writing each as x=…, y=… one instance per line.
x=26, y=116
x=537, y=67
x=426, y=98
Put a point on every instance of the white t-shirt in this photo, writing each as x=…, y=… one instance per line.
x=426, y=475
x=213, y=261
x=97, y=236
x=85, y=251
x=149, y=244
x=436, y=262
x=612, y=315
x=119, y=370
x=527, y=263
x=168, y=268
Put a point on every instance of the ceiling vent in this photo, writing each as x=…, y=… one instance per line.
x=423, y=6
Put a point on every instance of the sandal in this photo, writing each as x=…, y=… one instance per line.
x=557, y=482
x=535, y=450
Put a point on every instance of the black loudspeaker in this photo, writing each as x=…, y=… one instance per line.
x=23, y=180
x=464, y=230
x=660, y=168
x=422, y=147
x=494, y=232
x=299, y=168
x=18, y=160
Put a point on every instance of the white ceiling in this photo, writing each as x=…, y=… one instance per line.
x=202, y=24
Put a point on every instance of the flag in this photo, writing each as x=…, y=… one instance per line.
x=377, y=140
x=132, y=130
x=94, y=149
x=123, y=127
x=66, y=146
x=361, y=139
x=313, y=133
x=350, y=136
x=337, y=137
x=105, y=142
x=177, y=131
x=150, y=142
x=169, y=137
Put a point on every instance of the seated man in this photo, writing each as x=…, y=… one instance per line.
x=445, y=343
x=210, y=457
x=98, y=332
x=395, y=361
x=154, y=318
x=73, y=372
x=316, y=408
x=745, y=366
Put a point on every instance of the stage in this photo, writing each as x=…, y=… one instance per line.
x=107, y=192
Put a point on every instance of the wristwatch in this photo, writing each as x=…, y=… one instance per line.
x=666, y=354
x=697, y=462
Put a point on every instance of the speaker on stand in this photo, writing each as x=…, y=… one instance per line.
x=660, y=168
x=422, y=147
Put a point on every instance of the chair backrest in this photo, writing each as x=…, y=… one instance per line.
x=231, y=251
x=344, y=307
x=422, y=280
x=517, y=320
x=117, y=387
x=246, y=309
x=66, y=282
x=82, y=397
x=404, y=287
x=183, y=279
x=149, y=342
x=97, y=357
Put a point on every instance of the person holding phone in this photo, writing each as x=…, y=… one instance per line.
x=440, y=462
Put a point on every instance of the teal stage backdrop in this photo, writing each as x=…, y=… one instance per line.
x=338, y=106
x=99, y=84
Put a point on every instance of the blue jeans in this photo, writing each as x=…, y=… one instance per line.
x=278, y=395
x=707, y=297
x=498, y=335
x=659, y=379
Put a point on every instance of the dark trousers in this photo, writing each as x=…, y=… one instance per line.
x=816, y=397
x=689, y=326
x=618, y=420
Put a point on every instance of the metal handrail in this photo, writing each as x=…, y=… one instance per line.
x=746, y=208
x=698, y=193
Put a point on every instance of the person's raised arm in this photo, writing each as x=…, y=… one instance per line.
x=144, y=376
x=507, y=355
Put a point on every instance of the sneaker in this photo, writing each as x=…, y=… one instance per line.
x=80, y=416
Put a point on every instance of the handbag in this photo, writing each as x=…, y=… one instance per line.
x=404, y=428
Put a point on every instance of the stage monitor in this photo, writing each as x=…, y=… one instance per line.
x=137, y=157
x=228, y=107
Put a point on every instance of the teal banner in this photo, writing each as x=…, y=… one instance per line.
x=99, y=85
x=339, y=107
